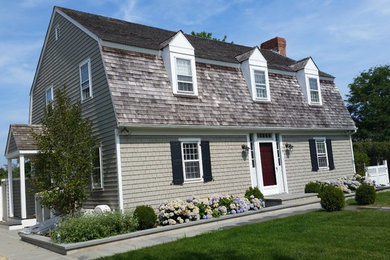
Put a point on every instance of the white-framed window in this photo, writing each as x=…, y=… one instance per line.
x=97, y=174
x=260, y=84
x=85, y=80
x=49, y=95
x=184, y=75
x=314, y=91
x=57, y=32
x=192, y=159
x=322, y=155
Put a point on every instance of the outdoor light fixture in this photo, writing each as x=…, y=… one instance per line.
x=289, y=148
x=245, y=148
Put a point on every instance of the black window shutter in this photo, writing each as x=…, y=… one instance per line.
x=177, y=166
x=330, y=154
x=206, y=162
x=313, y=155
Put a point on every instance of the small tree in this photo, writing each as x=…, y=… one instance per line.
x=208, y=35
x=63, y=167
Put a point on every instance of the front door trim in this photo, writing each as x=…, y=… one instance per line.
x=279, y=187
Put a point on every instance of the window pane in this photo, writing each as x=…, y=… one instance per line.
x=313, y=84
x=321, y=147
x=86, y=93
x=314, y=97
x=96, y=174
x=261, y=92
x=183, y=67
x=49, y=96
x=184, y=78
x=84, y=73
x=191, y=160
x=192, y=170
x=184, y=86
x=322, y=161
x=259, y=77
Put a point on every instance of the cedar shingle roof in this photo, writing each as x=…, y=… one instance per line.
x=148, y=37
x=22, y=136
x=142, y=94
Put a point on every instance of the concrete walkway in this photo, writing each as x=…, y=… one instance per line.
x=11, y=247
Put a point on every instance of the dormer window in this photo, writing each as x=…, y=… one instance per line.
x=184, y=75
x=309, y=80
x=260, y=85
x=255, y=71
x=314, y=91
x=179, y=60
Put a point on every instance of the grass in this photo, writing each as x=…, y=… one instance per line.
x=382, y=200
x=359, y=234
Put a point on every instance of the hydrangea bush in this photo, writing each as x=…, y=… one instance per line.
x=183, y=211
x=347, y=184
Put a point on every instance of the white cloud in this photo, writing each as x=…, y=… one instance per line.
x=185, y=12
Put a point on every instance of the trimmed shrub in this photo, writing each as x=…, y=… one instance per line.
x=88, y=227
x=145, y=216
x=313, y=187
x=255, y=192
x=332, y=199
x=365, y=195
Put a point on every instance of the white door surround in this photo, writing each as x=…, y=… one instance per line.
x=256, y=172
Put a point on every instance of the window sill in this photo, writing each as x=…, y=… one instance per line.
x=193, y=181
x=188, y=95
x=259, y=100
x=315, y=104
x=86, y=100
x=323, y=168
x=97, y=189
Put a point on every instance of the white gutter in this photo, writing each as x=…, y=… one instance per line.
x=244, y=128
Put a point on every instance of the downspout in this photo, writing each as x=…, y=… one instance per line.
x=119, y=169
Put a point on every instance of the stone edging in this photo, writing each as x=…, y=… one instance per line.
x=63, y=249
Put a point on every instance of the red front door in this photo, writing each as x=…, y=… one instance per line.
x=267, y=164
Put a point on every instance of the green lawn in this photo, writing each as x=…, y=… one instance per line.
x=362, y=234
x=382, y=200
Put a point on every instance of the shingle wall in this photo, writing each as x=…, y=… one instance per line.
x=147, y=170
x=298, y=164
x=60, y=66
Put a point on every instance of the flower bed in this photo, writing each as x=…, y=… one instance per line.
x=348, y=184
x=183, y=211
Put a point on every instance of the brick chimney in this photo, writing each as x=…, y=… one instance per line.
x=276, y=44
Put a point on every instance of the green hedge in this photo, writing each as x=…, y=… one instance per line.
x=88, y=227
x=369, y=153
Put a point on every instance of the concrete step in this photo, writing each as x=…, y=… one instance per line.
x=289, y=199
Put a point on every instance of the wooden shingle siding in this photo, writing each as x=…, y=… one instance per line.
x=298, y=164
x=59, y=67
x=12, y=144
x=147, y=170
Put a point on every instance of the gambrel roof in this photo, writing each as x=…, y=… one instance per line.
x=142, y=93
x=132, y=34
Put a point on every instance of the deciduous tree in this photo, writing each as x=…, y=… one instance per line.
x=63, y=167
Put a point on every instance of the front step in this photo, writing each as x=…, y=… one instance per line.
x=288, y=199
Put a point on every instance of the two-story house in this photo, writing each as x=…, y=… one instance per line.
x=178, y=115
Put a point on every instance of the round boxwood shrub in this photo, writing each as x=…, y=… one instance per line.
x=313, y=187
x=255, y=192
x=365, y=195
x=332, y=198
x=145, y=216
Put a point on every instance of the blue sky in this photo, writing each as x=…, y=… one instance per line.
x=343, y=37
